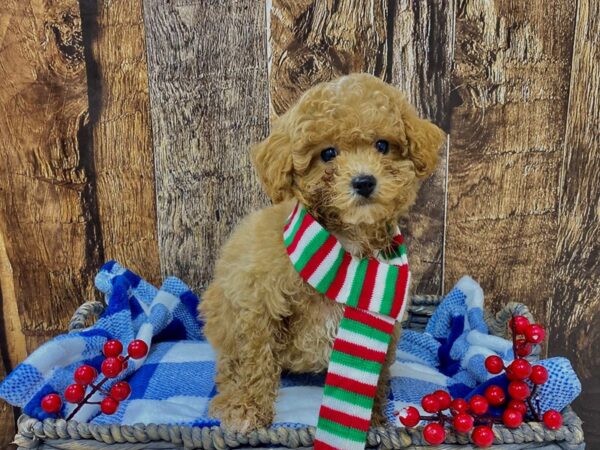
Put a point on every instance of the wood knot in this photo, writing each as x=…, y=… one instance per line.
x=68, y=37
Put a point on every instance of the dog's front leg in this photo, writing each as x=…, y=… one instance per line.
x=381, y=397
x=248, y=378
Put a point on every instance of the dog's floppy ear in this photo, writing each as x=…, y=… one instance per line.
x=424, y=142
x=273, y=161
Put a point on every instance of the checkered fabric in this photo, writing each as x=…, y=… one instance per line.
x=175, y=383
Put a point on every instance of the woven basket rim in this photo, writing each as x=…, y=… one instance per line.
x=32, y=432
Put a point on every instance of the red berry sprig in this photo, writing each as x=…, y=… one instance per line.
x=85, y=377
x=524, y=335
x=472, y=416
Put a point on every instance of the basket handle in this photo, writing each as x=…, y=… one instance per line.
x=498, y=323
x=89, y=310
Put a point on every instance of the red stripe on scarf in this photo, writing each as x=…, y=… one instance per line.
x=306, y=222
x=366, y=292
x=398, y=239
x=338, y=281
x=344, y=419
x=358, y=350
x=318, y=257
x=350, y=385
x=320, y=445
x=400, y=290
x=291, y=219
x=369, y=319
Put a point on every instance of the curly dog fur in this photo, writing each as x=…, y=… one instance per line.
x=260, y=316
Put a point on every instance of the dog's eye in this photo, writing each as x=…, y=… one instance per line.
x=328, y=154
x=382, y=146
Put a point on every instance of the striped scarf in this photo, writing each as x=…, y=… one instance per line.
x=375, y=291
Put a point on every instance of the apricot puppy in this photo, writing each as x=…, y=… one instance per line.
x=353, y=152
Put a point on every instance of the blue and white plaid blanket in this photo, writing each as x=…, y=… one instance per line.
x=174, y=384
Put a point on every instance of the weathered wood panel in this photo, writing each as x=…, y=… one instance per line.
x=208, y=90
x=421, y=66
x=12, y=337
x=312, y=42
x=113, y=34
x=47, y=203
x=7, y=417
x=7, y=425
x=574, y=312
x=512, y=67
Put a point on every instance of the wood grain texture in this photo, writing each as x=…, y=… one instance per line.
x=7, y=425
x=12, y=339
x=208, y=90
x=7, y=417
x=511, y=75
x=574, y=313
x=421, y=66
x=113, y=33
x=47, y=203
x=312, y=42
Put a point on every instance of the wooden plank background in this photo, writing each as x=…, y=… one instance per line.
x=125, y=128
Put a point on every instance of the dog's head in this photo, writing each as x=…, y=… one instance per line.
x=352, y=150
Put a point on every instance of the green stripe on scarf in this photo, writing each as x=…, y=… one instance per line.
x=311, y=249
x=325, y=283
x=340, y=430
x=355, y=362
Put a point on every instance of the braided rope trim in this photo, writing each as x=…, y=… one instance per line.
x=32, y=433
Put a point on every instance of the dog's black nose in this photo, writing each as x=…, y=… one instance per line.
x=364, y=184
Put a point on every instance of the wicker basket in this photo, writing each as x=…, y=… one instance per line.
x=60, y=434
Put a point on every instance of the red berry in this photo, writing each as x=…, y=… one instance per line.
x=517, y=405
x=539, y=375
x=535, y=333
x=51, y=403
x=482, y=436
x=85, y=375
x=512, y=418
x=523, y=347
x=430, y=403
x=112, y=367
x=495, y=395
x=459, y=405
x=552, y=419
x=137, y=349
x=478, y=404
x=519, y=324
x=520, y=369
x=409, y=416
x=120, y=390
x=463, y=423
x=494, y=364
x=74, y=393
x=444, y=399
x=518, y=390
x=434, y=433
x=109, y=405
x=112, y=348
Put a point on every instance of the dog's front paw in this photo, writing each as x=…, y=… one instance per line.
x=240, y=417
x=378, y=418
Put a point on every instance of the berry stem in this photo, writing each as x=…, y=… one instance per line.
x=534, y=411
x=95, y=388
x=98, y=388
